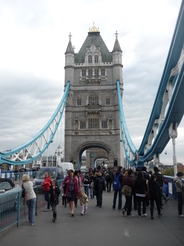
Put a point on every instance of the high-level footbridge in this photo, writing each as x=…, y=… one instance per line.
x=162, y=126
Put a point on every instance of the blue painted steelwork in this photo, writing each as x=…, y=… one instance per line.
x=168, y=107
x=36, y=146
x=176, y=107
x=127, y=142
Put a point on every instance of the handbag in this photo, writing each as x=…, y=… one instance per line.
x=69, y=195
x=127, y=191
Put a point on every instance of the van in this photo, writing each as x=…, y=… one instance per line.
x=66, y=166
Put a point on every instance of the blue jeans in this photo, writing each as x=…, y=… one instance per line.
x=119, y=200
x=91, y=192
x=86, y=190
x=31, y=210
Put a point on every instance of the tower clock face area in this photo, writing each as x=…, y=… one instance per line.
x=92, y=111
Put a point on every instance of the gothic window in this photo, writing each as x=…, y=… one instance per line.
x=96, y=59
x=83, y=72
x=104, y=124
x=89, y=59
x=96, y=72
x=108, y=101
x=93, y=100
x=82, y=125
x=79, y=101
x=90, y=72
x=93, y=123
x=103, y=72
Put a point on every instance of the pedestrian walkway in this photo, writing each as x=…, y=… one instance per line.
x=100, y=227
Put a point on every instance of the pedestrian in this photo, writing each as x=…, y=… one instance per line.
x=91, y=186
x=99, y=187
x=63, y=186
x=140, y=192
x=30, y=197
x=46, y=188
x=160, y=180
x=118, y=188
x=154, y=193
x=179, y=189
x=86, y=182
x=165, y=190
x=72, y=190
x=83, y=201
x=54, y=198
x=130, y=183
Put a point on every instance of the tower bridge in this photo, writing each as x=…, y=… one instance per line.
x=94, y=116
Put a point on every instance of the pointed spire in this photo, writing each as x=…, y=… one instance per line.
x=116, y=44
x=94, y=29
x=69, y=48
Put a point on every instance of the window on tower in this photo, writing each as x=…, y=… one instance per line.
x=108, y=101
x=102, y=72
x=96, y=72
x=82, y=125
x=89, y=59
x=104, y=124
x=93, y=100
x=93, y=123
x=83, y=72
x=79, y=101
x=96, y=59
x=90, y=73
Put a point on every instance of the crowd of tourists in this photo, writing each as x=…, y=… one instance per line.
x=141, y=189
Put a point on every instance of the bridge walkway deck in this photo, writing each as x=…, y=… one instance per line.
x=101, y=226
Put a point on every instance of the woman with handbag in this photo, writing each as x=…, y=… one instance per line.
x=72, y=190
x=30, y=196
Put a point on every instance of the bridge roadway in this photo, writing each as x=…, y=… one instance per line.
x=101, y=226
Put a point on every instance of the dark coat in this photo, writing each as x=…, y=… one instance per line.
x=140, y=186
x=154, y=188
x=129, y=182
x=100, y=183
x=54, y=195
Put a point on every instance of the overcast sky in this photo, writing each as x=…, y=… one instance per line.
x=34, y=37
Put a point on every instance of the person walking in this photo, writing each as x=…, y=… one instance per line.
x=99, y=187
x=86, y=182
x=54, y=198
x=160, y=180
x=30, y=197
x=140, y=192
x=46, y=188
x=130, y=183
x=118, y=188
x=154, y=193
x=72, y=190
x=83, y=201
x=179, y=189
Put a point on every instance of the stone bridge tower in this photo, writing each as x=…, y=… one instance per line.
x=92, y=111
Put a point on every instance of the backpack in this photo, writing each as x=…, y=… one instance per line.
x=116, y=182
x=127, y=191
x=107, y=176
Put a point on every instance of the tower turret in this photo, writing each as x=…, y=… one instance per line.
x=69, y=62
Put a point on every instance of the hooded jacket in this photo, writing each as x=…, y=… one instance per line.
x=179, y=185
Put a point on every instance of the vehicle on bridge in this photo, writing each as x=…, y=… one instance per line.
x=55, y=172
x=8, y=194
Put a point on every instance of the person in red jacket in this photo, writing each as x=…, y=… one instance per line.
x=46, y=188
x=72, y=190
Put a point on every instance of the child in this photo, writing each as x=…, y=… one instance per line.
x=83, y=201
x=54, y=198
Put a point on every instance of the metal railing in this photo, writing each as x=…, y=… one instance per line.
x=12, y=210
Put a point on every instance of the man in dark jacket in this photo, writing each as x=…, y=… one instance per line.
x=99, y=187
x=129, y=182
x=119, y=175
x=160, y=181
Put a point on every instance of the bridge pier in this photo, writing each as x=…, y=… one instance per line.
x=173, y=134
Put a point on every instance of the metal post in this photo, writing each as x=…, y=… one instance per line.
x=173, y=134
x=174, y=157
